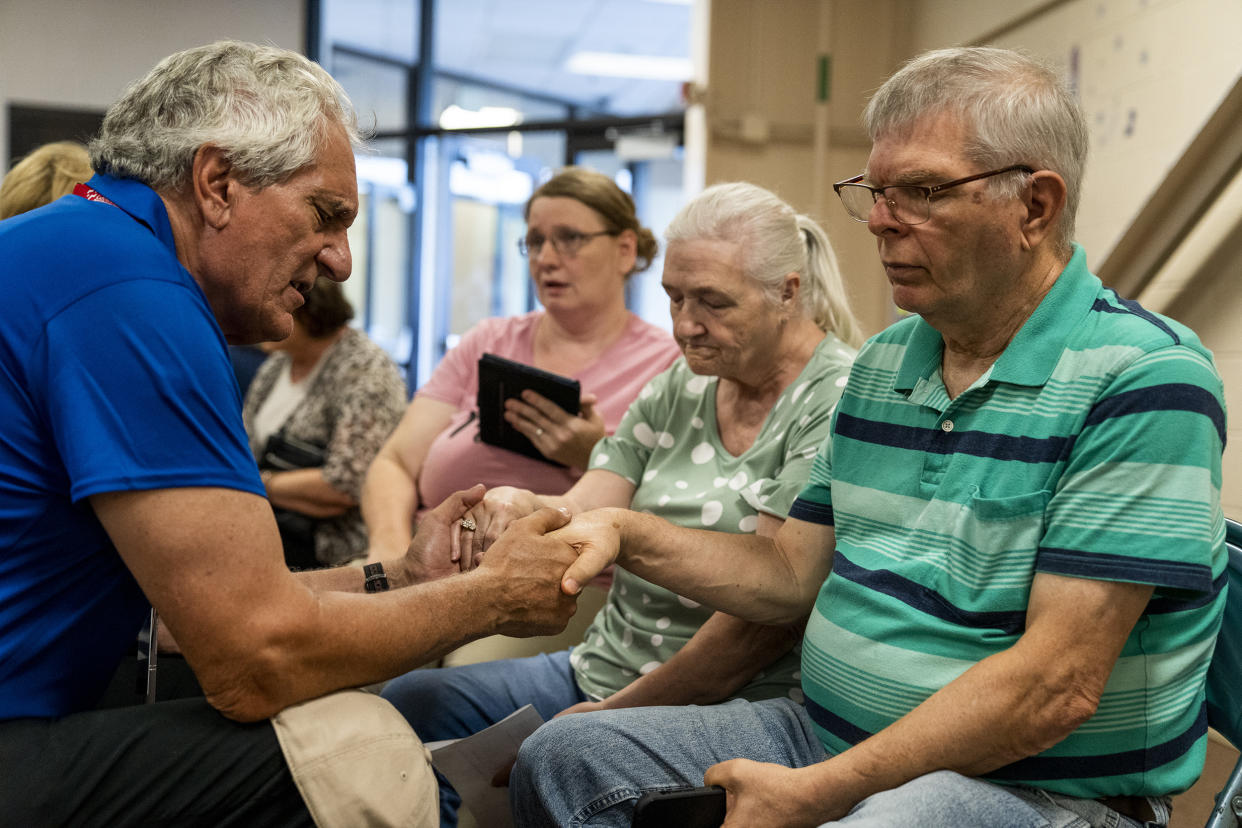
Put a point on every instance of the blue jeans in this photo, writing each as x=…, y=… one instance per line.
x=456, y=701
x=590, y=769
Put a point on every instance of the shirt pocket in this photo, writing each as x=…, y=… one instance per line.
x=991, y=551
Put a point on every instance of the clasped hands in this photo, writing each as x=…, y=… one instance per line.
x=457, y=535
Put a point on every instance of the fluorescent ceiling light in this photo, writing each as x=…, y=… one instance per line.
x=645, y=67
x=456, y=117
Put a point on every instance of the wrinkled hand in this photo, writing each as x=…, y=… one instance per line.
x=499, y=507
x=527, y=565
x=759, y=793
x=429, y=555
x=559, y=435
x=596, y=537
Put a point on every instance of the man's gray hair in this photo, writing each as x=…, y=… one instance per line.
x=775, y=241
x=1015, y=110
x=267, y=108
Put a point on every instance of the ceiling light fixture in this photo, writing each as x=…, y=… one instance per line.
x=456, y=117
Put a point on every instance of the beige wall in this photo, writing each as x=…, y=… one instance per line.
x=762, y=113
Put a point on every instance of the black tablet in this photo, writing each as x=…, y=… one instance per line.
x=500, y=379
x=682, y=808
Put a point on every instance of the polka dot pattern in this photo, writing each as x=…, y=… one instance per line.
x=702, y=453
x=669, y=446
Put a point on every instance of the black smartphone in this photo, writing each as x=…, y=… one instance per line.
x=501, y=378
x=681, y=808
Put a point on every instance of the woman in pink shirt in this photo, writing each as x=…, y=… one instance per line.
x=583, y=241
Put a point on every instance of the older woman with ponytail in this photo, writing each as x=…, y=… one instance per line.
x=723, y=439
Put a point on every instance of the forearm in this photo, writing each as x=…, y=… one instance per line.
x=396, y=573
x=719, y=660
x=316, y=643
x=306, y=491
x=389, y=501
x=999, y=711
x=749, y=576
x=259, y=638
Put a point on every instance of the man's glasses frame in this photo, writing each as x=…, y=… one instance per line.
x=911, y=204
x=566, y=242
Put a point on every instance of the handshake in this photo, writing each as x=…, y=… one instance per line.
x=529, y=560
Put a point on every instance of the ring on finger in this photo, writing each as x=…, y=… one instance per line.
x=468, y=524
x=538, y=432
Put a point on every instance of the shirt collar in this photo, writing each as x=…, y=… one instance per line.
x=141, y=202
x=1031, y=356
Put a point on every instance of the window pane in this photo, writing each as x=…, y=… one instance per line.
x=388, y=27
x=377, y=89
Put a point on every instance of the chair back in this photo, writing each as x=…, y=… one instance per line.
x=1224, y=681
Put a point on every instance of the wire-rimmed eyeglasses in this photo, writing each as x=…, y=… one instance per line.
x=566, y=242
x=908, y=203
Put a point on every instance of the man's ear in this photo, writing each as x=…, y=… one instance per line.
x=213, y=185
x=1044, y=199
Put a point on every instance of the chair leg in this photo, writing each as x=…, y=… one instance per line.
x=1228, y=810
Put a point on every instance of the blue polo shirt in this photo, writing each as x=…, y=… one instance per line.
x=1091, y=449
x=114, y=376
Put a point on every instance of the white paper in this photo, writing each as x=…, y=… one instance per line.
x=471, y=763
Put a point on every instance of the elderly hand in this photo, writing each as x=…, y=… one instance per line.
x=596, y=536
x=429, y=555
x=528, y=563
x=559, y=435
x=498, y=508
x=759, y=793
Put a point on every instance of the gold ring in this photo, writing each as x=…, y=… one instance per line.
x=468, y=524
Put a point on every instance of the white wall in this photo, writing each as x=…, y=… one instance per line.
x=83, y=54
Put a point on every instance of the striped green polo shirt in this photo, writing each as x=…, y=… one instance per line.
x=1091, y=448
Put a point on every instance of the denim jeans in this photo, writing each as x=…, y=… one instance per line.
x=590, y=769
x=456, y=701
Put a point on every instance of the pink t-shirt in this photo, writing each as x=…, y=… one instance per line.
x=457, y=458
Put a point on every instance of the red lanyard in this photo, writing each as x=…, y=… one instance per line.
x=91, y=194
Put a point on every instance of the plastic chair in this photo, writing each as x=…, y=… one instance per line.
x=1224, y=683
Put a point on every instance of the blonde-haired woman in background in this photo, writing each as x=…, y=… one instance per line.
x=43, y=176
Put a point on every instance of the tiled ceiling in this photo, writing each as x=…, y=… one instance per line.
x=525, y=43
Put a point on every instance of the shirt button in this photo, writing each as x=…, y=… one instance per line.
x=946, y=426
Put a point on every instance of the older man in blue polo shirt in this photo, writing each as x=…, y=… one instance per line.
x=226, y=185
x=1011, y=546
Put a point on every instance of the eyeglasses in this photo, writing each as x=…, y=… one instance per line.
x=566, y=242
x=909, y=203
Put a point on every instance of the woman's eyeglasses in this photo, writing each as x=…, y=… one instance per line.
x=566, y=242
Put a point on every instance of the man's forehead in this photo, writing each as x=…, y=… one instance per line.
x=926, y=148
